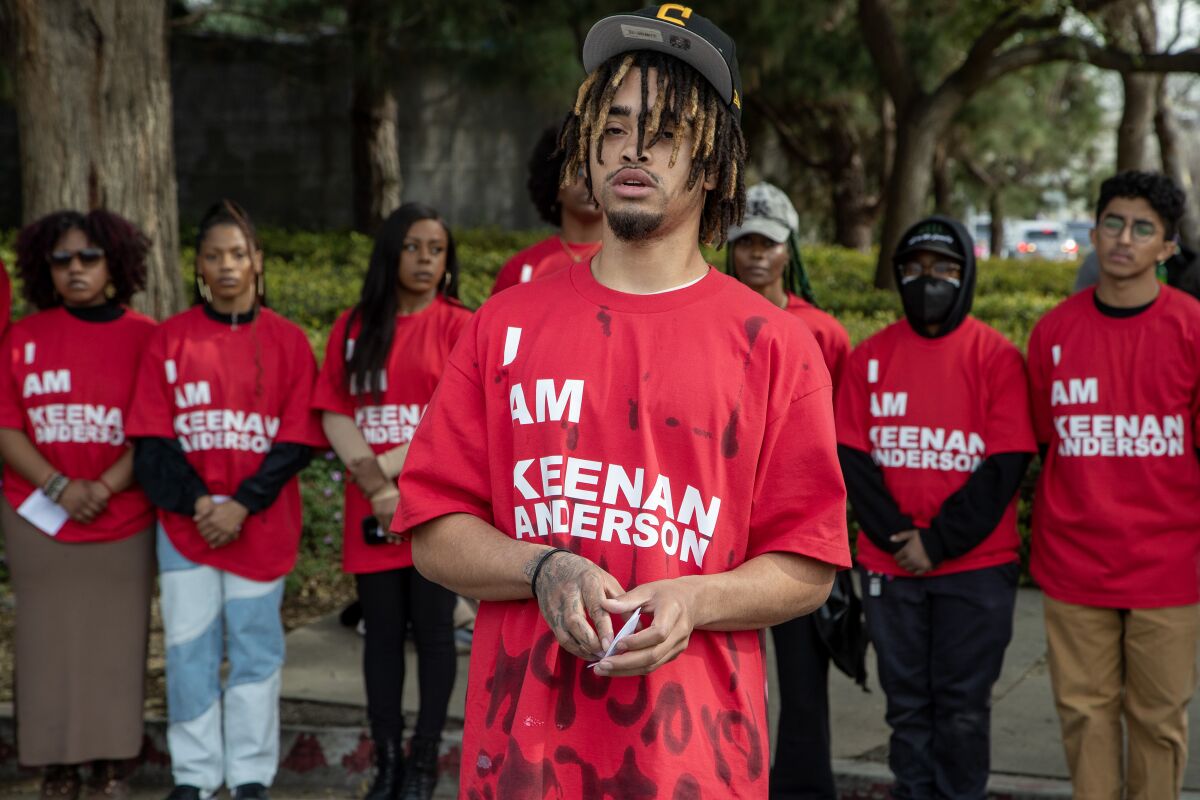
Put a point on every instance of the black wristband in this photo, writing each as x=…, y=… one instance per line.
x=537, y=569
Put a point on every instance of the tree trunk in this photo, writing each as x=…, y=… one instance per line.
x=93, y=101
x=943, y=186
x=854, y=208
x=1177, y=165
x=375, y=146
x=996, y=210
x=1137, y=121
x=917, y=135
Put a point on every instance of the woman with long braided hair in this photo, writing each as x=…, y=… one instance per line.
x=764, y=254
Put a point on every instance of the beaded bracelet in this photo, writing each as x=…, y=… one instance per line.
x=538, y=568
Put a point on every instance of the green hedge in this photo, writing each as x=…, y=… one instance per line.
x=312, y=277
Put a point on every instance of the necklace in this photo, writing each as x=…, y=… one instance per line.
x=574, y=258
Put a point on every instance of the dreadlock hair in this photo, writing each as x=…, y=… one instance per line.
x=227, y=212
x=795, y=277
x=378, y=302
x=545, y=165
x=125, y=248
x=686, y=103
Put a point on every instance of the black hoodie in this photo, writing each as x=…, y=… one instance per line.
x=966, y=291
x=968, y=515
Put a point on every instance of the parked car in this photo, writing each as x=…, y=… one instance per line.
x=1079, y=237
x=1042, y=239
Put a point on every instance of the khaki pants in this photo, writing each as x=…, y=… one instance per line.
x=1106, y=663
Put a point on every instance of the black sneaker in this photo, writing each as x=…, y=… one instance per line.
x=251, y=791
x=185, y=792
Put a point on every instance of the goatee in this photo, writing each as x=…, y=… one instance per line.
x=632, y=226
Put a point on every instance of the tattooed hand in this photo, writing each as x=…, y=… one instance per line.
x=569, y=590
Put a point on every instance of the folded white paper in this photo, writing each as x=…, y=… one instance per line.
x=43, y=513
x=629, y=627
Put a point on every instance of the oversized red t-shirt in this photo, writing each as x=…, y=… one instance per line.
x=227, y=395
x=68, y=384
x=830, y=335
x=547, y=257
x=929, y=411
x=421, y=345
x=1116, y=517
x=659, y=436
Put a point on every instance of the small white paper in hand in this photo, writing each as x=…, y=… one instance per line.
x=629, y=627
x=43, y=513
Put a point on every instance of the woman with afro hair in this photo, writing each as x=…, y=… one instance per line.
x=78, y=531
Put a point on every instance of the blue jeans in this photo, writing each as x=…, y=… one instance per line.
x=218, y=735
x=940, y=644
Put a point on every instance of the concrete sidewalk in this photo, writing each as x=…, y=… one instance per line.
x=1027, y=756
x=325, y=750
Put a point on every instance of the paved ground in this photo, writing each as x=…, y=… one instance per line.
x=324, y=662
x=322, y=685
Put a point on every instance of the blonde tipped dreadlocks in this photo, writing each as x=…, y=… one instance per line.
x=686, y=104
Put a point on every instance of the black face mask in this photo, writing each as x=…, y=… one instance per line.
x=928, y=300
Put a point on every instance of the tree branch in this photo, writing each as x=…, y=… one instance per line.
x=794, y=144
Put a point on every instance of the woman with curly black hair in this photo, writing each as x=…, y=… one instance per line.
x=78, y=531
x=570, y=208
x=384, y=359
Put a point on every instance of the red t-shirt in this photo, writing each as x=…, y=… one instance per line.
x=664, y=435
x=929, y=411
x=830, y=335
x=228, y=395
x=547, y=257
x=421, y=345
x=68, y=385
x=1116, y=518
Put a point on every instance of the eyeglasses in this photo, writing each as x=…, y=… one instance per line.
x=1113, y=226
x=87, y=256
x=945, y=270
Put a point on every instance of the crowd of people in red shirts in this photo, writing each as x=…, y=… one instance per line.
x=623, y=437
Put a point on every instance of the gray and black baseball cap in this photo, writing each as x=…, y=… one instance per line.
x=769, y=212
x=674, y=29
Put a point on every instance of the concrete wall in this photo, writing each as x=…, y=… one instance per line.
x=267, y=123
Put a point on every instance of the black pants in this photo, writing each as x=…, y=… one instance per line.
x=803, y=769
x=391, y=601
x=940, y=644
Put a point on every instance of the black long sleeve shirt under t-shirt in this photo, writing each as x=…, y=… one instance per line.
x=966, y=517
x=172, y=484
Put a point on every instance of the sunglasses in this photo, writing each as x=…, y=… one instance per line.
x=87, y=256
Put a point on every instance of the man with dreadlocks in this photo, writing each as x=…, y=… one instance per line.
x=636, y=436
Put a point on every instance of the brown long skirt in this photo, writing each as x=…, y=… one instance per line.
x=83, y=611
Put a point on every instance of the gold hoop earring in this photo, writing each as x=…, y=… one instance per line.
x=110, y=291
x=205, y=292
